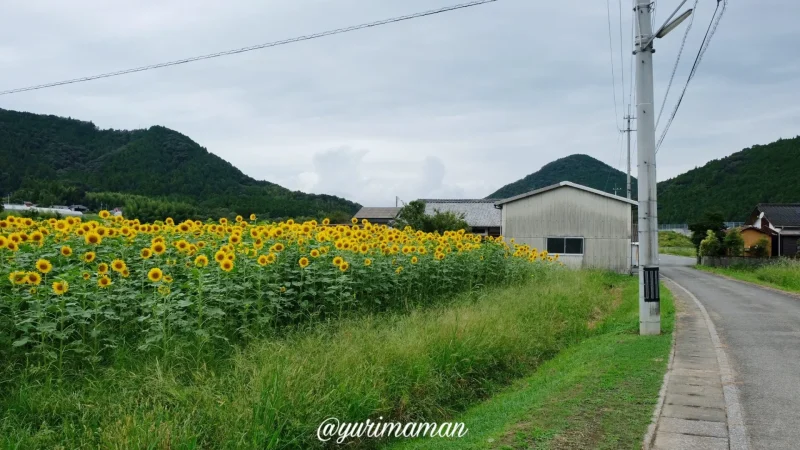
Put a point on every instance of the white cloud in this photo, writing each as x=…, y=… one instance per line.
x=456, y=104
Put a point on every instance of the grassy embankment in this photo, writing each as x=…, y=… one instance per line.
x=599, y=393
x=674, y=243
x=784, y=274
x=426, y=365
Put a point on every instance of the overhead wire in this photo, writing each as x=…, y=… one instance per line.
x=613, y=73
x=712, y=28
x=675, y=66
x=250, y=48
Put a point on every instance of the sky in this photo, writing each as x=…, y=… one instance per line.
x=451, y=105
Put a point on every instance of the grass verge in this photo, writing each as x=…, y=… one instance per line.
x=427, y=365
x=599, y=393
x=784, y=275
x=678, y=251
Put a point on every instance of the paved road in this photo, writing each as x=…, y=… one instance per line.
x=761, y=329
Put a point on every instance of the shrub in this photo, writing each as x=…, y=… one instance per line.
x=733, y=243
x=710, y=246
x=761, y=249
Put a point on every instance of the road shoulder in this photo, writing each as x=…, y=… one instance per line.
x=700, y=408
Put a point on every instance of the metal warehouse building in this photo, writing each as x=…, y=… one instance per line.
x=587, y=227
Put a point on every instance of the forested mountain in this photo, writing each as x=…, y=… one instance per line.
x=735, y=184
x=55, y=160
x=732, y=185
x=581, y=169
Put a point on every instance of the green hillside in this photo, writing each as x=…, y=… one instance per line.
x=55, y=160
x=732, y=185
x=581, y=169
x=735, y=184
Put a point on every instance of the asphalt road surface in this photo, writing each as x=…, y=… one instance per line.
x=761, y=329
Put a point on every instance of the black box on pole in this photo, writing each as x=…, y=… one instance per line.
x=651, y=286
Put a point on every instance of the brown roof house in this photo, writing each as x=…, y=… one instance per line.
x=779, y=222
x=378, y=215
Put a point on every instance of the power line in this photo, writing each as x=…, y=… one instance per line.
x=677, y=60
x=712, y=28
x=251, y=48
x=621, y=53
x=611, y=57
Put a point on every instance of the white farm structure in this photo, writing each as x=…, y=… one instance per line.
x=585, y=226
x=25, y=208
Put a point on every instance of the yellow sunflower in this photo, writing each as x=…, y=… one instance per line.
x=60, y=287
x=34, y=278
x=367, y=262
x=303, y=262
x=102, y=268
x=44, y=266
x=89, y=256
x=92, y=238
x=159, y=248
x=146, y=253
x=104, y=281
x=66, y=251
x=18, y=277
x=263, y=260
x=226, y=265
x=344, y=266
x=201, y=261
x=118, y=265
x=155, y=275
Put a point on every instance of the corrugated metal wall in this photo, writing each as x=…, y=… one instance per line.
x=604, y=223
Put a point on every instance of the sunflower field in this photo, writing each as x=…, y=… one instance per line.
x=74, y=292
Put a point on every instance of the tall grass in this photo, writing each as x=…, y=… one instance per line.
x=783, y=274
x=424, y=365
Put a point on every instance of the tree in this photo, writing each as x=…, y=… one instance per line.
x=413, y=215
x=710, y=246
x=444, y=221
x=733, y=243
x=712, y=221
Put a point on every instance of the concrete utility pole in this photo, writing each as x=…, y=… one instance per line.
x=649, y=299
x=628, y=132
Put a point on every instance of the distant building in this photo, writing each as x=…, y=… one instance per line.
x=585, y=226
x=480, y=214
x=378, y=215
x=779, y=223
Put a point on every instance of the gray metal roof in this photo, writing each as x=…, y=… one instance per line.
x=567, y=184
x=477, y=212
x=781, y=214
x=371, y=212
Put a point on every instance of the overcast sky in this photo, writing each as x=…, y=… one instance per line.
x=452, y=105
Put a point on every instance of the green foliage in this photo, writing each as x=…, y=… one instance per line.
x=711, y=221
x=424, y=365
x=54, y=160
x=733, y=242
x=761, y=249
x=413, y=215
x=581, y=169
x=145, y=209
x=734, y=184
x=673, y=239
x=710, y=246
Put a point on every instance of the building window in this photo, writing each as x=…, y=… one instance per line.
x=565, y=246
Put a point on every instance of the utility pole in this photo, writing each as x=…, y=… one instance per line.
x=628, y=130
x=649, y=298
